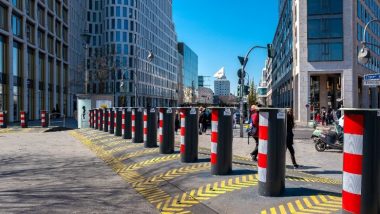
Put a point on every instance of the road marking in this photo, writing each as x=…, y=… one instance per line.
x=180, y=202
x=321, y=204
x=137, y=153
x=313, y=180
x=152, y=161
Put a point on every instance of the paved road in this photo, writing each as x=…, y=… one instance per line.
x=54, y=172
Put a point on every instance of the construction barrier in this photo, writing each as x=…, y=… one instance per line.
x=3, y=119
x=150, y=128
x=44, y=119
x=272, y=148
x=105, y=119
x=137, y=125
x=100, y=119
x=189, y=134
x=361, y=161
x=111, y=121
x=221, y=141
x=126, y=123
x=117, y=120
x=24, y=119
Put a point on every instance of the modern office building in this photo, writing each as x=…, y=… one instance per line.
x=34, y=57
x=133, y=42
x=316, y=43
x=222, y=87
x=189, y=71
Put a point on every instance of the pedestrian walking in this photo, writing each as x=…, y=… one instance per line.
x=254, y=126
x=289, y=137
x=177, y=122
x=324, y=116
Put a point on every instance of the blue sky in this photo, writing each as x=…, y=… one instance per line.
x=220, y=30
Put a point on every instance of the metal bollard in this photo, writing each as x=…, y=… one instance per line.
x=117, y=118
x=361, y=161
x=111, y=121
x=221, y=141
x=150, y=128
x=91, y=117
x=272, y=150
x=3, y=119
x=126, y=126
x=167, y=130
x=24, y=119
x=44, y=119
x=100, y=119
x=105, y=120
x=137, y=125
x=189, y=135
x=96, y=111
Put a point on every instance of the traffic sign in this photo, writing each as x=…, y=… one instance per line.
x=371, y=80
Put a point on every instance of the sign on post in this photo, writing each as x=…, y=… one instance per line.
x=371, y=80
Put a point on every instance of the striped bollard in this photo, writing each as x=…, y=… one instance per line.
x=91, y=112
x=167, y=131
x=221, y=141
x=361, y=161
x=126, y=126
x=44, y=122
x=24, y=120
x=160, y=124
x=272, y=148
x=150, y=128
x=137, y=125
x=96, y=118
x=106, y=119
x=3, y=116
x=111, y=121
x=189, y=135
x=117, y=124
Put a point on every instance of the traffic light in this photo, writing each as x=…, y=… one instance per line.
x=238, y=91
x=240, y=81
x=246, y=90
x=242, y=60
x=270, y=51
x=241, y=74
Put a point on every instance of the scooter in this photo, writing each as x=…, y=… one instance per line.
x=325, y=140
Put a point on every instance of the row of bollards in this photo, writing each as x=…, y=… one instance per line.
x=361, y=162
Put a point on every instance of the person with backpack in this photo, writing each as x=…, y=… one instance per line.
x=254, y=130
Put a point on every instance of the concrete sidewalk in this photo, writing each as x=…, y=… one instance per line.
x=54, y=173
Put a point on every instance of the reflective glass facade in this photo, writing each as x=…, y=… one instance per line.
x=190, y=66
x=325, y=30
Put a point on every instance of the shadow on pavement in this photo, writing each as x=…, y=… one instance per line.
x=325, y=172
x=302, y=191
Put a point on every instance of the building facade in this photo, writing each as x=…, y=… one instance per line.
x=189, y=71
x=222, y=87
x=123, y=34
x=320, y=66
x=34, y=69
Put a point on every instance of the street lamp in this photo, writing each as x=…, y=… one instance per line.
x=86, y=39
x=243, y=62
x=365, y=54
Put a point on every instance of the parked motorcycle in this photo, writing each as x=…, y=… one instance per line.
x=328, y=139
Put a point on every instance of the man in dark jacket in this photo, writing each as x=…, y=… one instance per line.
x=289, y=136
x=255, y=123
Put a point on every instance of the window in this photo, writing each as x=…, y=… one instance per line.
x=41, y=16
x=16, y=25
x=29, y=6
x=41, y=39
x=3, y=17
x=17, y=4
x=30, y=33
x=319, y=7
x=325, y=51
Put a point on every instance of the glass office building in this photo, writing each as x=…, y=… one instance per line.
x=189, y=72
x=316, y=43
x=123, y=33
x=34, y=57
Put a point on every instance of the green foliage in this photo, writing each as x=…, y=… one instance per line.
x=252, y=96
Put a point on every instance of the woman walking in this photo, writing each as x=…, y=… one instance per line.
x=255, y=126
x=290, y=136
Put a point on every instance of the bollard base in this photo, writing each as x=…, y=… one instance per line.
x=149, y=146
x=166, y=152
x=271, y=189
x=134, y=140
x=218, y=171
x=185, y=159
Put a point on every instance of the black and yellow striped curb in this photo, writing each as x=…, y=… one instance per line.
x=319, y=204
x=21, y=130
x=180, y=202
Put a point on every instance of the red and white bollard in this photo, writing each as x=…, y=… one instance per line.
x=145, y=128
x=90, y=118
x=123, y=116
x=160, y=125
x=3, y=124
x=104, y=119
x=183, y=132
x=99, y=120
x=133, y=124
x=23, y=118
x=43, y=119
x=109, y=119
x=263, y=146
x=214, y=136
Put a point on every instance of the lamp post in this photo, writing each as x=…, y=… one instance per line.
x=365, y=54
x=86, y=39
x=243, y=62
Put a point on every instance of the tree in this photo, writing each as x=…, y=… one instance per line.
x=252, y=96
